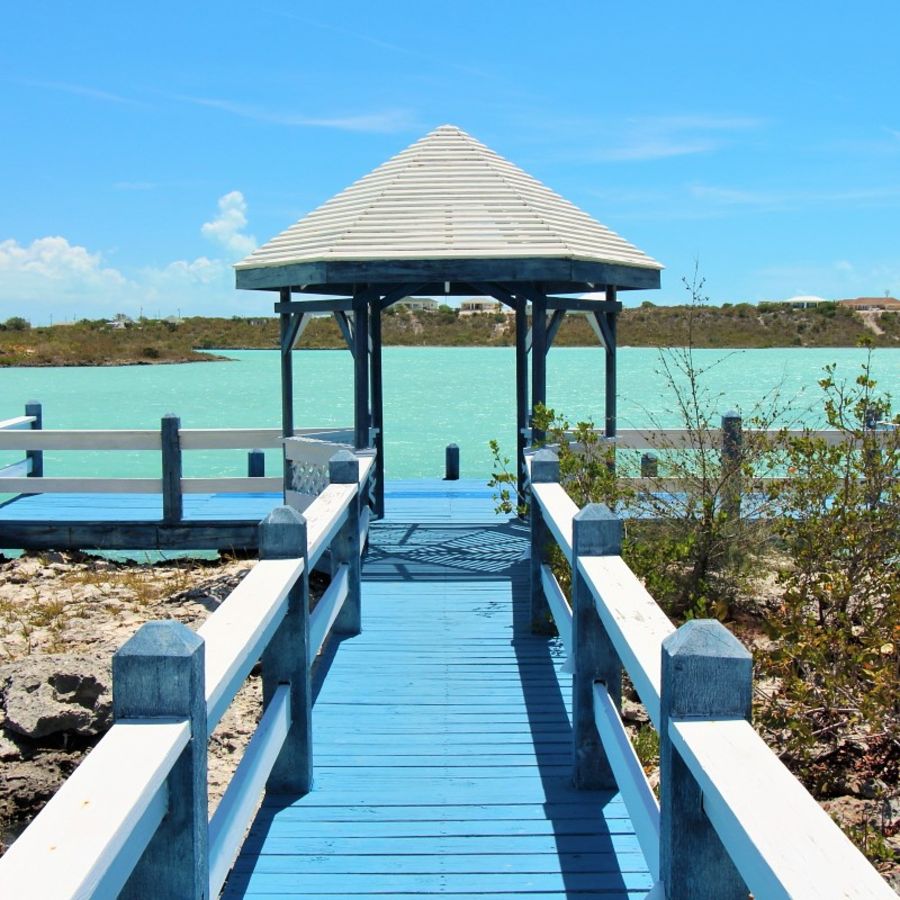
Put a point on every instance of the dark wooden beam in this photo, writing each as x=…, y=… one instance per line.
x=538, y=356
x=394, y=294
x=287, y=374
x=377, y=407
x=346, y=330
x=497, y=291
x=555, y=320
x=609, y=333
x=339, y=276
x=521, y=393
x=342, y=304
x=576, y=304
x=290, y=338
x=361, y=416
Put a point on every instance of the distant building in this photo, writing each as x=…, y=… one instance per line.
x=866, y=303
x=477, y=305
x=419, y=304
x=806, y=302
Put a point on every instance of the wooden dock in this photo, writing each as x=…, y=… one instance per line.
x=443, y=741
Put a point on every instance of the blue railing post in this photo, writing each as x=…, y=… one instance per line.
x=706, y=674
x=595, y=532
x=34, y=408
x=287, y=658
x=343, y=468
x=256, y=464
x=732, y=453
x=544, y=470
x=173, y=506
x=159, y=673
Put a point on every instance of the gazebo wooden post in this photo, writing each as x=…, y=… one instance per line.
x=287, y=381
x=361, y=416
x=538, y=358
x=377, y=406
x=611, y=318
x=521, y=391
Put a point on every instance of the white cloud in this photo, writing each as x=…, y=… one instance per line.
x=55, y=259
x=226, y=229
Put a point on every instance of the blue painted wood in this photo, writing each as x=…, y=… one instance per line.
x=595, y=532
x=234, y=812
x=706, y=674
x=732, y=448
x=173, y=508
x=34, y=408
x=159, y=673
x=442, y=734
x=256, y=464
x=287, y=658
x=544, y=470
x=343, y=468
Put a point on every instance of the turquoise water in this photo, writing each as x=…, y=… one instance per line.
x=433, y=396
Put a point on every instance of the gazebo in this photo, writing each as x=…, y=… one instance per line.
x=446, y=216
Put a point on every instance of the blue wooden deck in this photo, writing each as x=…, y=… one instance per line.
x=442, y=736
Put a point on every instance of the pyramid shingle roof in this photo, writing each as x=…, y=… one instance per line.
x=447, y=198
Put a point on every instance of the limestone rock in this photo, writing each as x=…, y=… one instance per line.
x=47, y=695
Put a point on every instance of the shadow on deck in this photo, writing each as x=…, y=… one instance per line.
x=443, y=744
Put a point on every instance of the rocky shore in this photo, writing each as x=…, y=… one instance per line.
x=62, y=616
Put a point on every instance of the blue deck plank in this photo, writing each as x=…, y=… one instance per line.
x=442, y=734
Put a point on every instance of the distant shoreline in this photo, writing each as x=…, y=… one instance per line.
x=205, y=339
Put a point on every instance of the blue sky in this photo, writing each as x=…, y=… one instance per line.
x=144, y=148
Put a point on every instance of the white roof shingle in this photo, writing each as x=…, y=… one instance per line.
x=447, y=196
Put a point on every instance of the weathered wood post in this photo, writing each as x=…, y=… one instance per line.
x=343, y=468
x=451, y=463
x=544, y=470
x=158, y=674
x=256, y=464
x=287, y=658
x=595, y=532
x=34, y=408
x=649, y=465
x=173, y=504
x=732, y=453
x=706, y=674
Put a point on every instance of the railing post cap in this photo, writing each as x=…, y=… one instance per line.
x=343, y=468
x=704, y=638
x=544, y=467
x=154, y=639
x=282, y=534
x=731, y=414
x=170, y=416
x=596, y=531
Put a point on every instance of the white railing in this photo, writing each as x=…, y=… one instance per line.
x=311, y=448
x=134, y=814
x=720, y=784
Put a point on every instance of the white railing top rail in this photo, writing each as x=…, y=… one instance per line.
x=11, y=438
x=17, y=422
x=87, y=838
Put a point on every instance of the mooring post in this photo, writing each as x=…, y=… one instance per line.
x=34, y=408
x=173, y=503
x=159, y=674
x=544, y=470
x=595, y=532
x=732, y=454
x=256, y=464
x=287, y=658
x=706, y=674
x=451, y=463
x=343, y=468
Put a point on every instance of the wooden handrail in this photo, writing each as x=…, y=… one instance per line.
x=748, y=795
x=93, y=835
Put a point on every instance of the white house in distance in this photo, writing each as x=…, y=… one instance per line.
x=806, y=302
x=477, y=305
x=419, y=304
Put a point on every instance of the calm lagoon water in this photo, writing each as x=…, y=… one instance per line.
x=433, y=396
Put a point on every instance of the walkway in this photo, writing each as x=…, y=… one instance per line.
x=442, y=737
